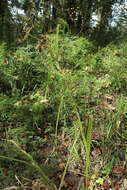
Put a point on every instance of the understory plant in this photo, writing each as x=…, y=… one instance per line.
x=39, y=86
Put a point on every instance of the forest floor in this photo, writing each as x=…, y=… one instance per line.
x=63, y=107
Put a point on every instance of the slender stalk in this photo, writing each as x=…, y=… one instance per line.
x=58, y=117
x=68, y=161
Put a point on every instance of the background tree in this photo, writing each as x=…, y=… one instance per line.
x=78, y=14
x=5, y=20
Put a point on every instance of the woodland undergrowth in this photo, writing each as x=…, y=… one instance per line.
x=63, y=104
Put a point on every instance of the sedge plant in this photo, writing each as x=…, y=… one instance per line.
x=86, y=143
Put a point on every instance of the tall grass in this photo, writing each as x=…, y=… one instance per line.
x=86, y=143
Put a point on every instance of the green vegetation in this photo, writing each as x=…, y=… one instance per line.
x=63, y=95
x=53, y=92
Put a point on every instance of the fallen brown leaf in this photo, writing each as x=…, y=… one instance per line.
x=105, y=185
x=118, y=170
x=96, y=152
x=116, y=185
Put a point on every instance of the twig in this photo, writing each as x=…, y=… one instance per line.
x=12, y=188
x=20, y=182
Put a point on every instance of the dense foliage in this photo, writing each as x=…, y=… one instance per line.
x=40, y=92
x=63, y=95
